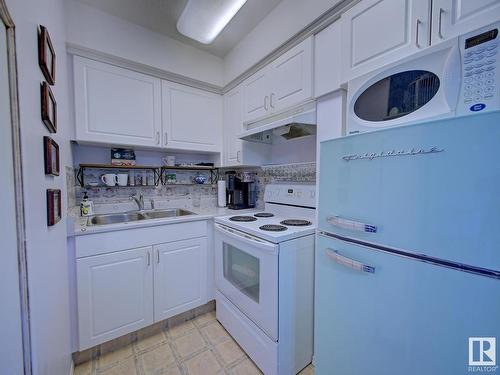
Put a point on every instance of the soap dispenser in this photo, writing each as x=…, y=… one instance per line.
x=86, y=206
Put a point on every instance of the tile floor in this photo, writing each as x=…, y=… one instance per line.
x=200, y=346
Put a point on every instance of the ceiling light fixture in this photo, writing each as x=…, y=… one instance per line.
x=203, y=20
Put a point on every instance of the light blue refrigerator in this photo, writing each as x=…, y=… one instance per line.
x=408, y=250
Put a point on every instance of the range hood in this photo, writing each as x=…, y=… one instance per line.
x=296, y=123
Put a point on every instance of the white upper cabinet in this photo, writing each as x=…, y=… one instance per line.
x=180, y=276
x=233, y=126
x=256, y=92
x=378, y=32
x=291, y=77
x=115, y=295
x=236, y=151
x=192, y=118
x=453, y=17
x=282, y=84
x=115, y=105
x=327, y=62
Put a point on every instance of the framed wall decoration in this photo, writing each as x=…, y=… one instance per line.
x=46, y=55
x=53, y=206
x=49, y=108
x=51, y=156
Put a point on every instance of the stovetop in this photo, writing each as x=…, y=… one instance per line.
x=271, y=228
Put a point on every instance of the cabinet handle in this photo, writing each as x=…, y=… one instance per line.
x=149, y=258
x=165, y=138
x=265, y=103
x=238, y=156
x=157, y=138
x=158, y=256
x=416, y=33
x=440, y=23
x=271, y=100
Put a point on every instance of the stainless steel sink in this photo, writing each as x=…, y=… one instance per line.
x=126, y=217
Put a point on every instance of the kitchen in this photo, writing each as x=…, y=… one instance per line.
x=201, y=187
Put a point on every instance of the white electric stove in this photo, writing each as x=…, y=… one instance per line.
x=264, y=271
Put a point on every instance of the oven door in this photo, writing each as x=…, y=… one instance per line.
x=246, y=272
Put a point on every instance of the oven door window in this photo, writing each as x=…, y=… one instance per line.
x=397, y=95
x=242, y=270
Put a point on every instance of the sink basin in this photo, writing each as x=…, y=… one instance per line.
x=126, y=217
x=175, y=212
x=115, y=218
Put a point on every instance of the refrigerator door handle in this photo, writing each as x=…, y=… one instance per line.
x=348, y=262
x=351, y=224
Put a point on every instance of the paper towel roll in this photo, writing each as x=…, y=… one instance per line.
x=221, y=193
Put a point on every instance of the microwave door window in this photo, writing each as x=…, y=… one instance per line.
x=397, y=95
x=242, y=270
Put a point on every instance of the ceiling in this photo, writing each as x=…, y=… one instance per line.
x=162, y=15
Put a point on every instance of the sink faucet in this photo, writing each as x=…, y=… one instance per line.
x=139, y=199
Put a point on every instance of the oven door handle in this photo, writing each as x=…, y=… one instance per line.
x=247, y=238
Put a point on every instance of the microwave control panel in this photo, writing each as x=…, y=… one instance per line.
x=480, y=89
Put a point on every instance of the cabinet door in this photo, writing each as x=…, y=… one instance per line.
x=454, y=17
x=180, y=276
x=233, y=126
x=192, y=118
x=378, y=32
x=115, y=105
x=291, y=77
x=327, y=68
x=115, y=295
x=256, y=91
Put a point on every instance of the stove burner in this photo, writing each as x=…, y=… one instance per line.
x=296, y=222
x=264, y=214
x=273, y=228
x=242, y=218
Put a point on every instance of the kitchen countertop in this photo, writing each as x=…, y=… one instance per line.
x=77, y=226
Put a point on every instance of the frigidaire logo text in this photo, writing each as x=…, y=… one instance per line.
x=386, y=154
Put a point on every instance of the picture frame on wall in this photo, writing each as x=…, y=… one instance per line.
x=51, y=156
x=53, y=206
x=46, y=55
x=49, y=108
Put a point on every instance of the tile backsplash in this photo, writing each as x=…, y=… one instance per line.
x=184, y=196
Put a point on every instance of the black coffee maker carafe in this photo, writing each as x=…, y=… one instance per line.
x=239, y=194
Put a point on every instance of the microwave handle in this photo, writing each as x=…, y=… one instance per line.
x=247, y=238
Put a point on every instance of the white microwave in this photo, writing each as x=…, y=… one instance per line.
x=457, y=77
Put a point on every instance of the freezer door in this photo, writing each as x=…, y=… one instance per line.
x=400, y=316
x=430, y=188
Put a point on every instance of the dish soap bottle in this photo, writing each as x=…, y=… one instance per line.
x=86, y=206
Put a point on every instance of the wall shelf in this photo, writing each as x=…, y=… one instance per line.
x=81, y=178
x=159, y=172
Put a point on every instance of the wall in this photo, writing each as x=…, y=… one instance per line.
x=46, y=247
x=288, y=18
x=95, y=29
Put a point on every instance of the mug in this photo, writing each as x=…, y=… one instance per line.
x=122, y=179
x=109, y=179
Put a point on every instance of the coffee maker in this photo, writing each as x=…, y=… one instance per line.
x=240, y=190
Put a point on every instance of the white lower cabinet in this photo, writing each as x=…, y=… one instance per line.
x=129, y=279
x=115, y=294
x=180, y=276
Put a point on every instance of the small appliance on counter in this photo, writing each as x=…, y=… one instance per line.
x=240, y=190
